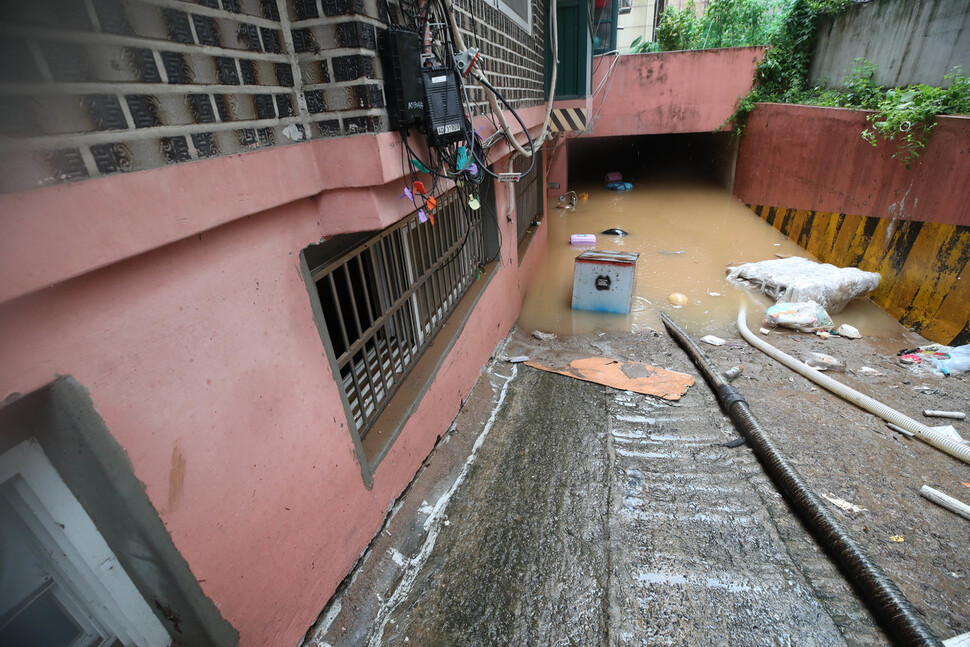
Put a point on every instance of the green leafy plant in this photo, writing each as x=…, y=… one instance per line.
x=906, y=116
x=678, y=28
x=640, y=46
x=724, y=23
x=782, y=74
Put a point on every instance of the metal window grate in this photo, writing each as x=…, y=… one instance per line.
x=385, y=300
x=528, y=198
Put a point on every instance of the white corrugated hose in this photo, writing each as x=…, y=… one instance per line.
x=956, y=449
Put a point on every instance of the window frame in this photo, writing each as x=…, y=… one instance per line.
x=99, y=593
x=428, y=299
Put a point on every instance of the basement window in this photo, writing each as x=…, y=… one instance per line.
x=62, y=584
x=384, y=296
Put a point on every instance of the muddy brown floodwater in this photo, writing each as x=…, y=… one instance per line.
x=687, y=232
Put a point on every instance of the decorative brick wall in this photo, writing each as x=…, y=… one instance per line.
x=95, y=87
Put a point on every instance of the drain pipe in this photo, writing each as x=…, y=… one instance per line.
x=955, y=449
x=887, y=603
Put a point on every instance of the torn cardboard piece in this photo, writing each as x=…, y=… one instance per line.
x=624, y=375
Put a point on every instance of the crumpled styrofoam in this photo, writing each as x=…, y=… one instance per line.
x=799, y=279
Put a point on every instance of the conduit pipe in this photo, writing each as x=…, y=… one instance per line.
x=885, y=600
x=945, y=501
x=955, y=449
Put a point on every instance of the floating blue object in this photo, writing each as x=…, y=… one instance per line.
x=619, y=186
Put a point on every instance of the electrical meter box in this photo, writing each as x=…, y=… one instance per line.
x=443, y=105
x=603, y=281
x=401, y=56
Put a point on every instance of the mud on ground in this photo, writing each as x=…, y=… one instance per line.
x=592, y=516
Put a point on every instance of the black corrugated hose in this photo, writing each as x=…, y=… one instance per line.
x=887, y=603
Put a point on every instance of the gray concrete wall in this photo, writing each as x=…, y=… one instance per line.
x=911, y=41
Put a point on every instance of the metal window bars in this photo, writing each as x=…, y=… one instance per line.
x=528, y=199
x=384, y=301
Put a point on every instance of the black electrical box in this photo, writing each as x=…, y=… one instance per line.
x=404, y=89
x=445, y=119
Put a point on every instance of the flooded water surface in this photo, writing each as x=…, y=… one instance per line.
x=687, y=233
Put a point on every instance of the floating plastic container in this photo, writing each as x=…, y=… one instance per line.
x=619, y=186
x=603, y=281
x=582, y=239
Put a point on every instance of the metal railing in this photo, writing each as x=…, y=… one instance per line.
x=384, y=301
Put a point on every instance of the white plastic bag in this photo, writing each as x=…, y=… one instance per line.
x=806, y=317
x=799, y=279
x=958, y=362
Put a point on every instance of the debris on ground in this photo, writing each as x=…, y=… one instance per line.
x=849, y=332
x=737, y=442
x=798, y=279
x=624, y=375
x=954, y=415
x=712, y=340
x=764, y=331
x=732, y=373
x=900, y=430
x=518, y=359
x=713, y=294
x=842, y=504
x=896, y=539
x=866, y=370
x=806, y=316
x=928, y=356
x=670, y=252
x=823, y=362
x=543, y=336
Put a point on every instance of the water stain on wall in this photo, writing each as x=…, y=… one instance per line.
x=176, y=478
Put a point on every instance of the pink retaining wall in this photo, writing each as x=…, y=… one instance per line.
x=202, y=355
x=670, y=92
x=806, y=157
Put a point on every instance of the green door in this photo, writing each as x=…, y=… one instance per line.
x=575, y=47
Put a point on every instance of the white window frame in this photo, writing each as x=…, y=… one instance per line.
x=91, y=572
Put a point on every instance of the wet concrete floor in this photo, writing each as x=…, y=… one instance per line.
x=559, y=512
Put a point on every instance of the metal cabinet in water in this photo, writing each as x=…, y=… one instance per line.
x=603, y=281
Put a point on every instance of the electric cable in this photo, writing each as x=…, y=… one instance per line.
x=479, y=75
x=521, y=123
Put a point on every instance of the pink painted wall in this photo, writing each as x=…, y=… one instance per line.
x=806, y=157
x=204, y=350
x=671, y=92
